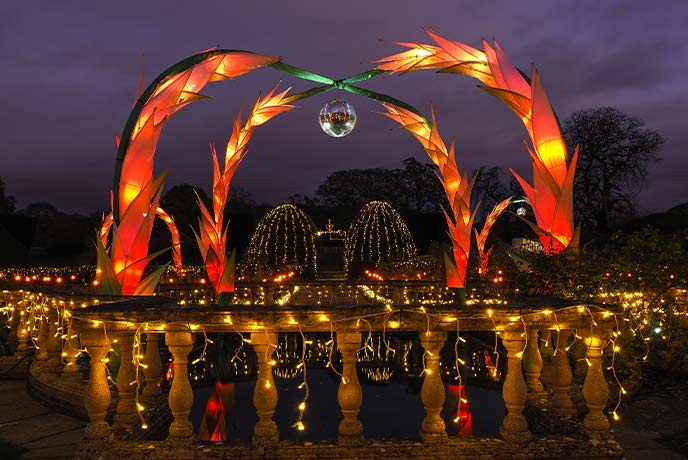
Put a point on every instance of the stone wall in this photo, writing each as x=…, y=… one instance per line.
x=454, y=449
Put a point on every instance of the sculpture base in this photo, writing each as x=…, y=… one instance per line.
x=459, y=296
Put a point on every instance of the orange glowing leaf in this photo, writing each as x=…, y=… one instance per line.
x=238, y=63
x=547, y=139
x=147, y=285
x=453, y=280
x=505, y=74
x=481, y=237
x=106, y=274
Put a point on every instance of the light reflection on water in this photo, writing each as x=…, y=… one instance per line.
x=392, y=410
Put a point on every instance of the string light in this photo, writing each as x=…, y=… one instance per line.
x=285, y=237
x=377, y=234
x=32, y=307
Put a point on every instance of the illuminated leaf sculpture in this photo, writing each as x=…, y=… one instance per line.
x=212, y=233
x=551, y=195
x=481, y=237
x=457, y=186
x=136, y=191
x=136, y=194
x=106, y=226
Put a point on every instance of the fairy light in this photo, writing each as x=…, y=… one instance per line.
x=284, y=237
x=377, y=234
x=22, y=306
x=302, y=405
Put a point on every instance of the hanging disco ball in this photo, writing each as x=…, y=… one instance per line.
x=521, y=211
x=337, y=118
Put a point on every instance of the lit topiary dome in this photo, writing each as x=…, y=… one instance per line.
x=284, y=240
x=377, y=235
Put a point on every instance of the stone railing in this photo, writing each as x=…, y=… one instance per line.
x=520, y=329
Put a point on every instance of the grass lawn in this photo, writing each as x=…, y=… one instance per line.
x=676, y=441
x=10, y=451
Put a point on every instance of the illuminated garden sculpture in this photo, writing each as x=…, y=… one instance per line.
x=212, y=234
x=283, y=243
x=377, y=235
x=136, y=191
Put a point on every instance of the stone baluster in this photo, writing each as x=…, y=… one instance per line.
x=595, y=389
x=533, y=364
x=13, y=324
x=432, y=392
x=153, y=367
x=561, y=403
x=265, y=432
x=23, y=333
x=71, y=369
x=514, y=426
x=578, y=352
x=349, y=395
x=126, y=401
x=97, y=398
x=42, y=339
x=54, y=339
x=546, y=354
x=180, y=397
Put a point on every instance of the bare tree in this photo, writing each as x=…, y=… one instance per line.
x=7, y=202
x=615, y=152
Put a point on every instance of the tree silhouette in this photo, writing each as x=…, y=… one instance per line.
x=615, y=153
x=7, y=202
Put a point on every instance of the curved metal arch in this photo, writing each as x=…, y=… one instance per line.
x=346, y=84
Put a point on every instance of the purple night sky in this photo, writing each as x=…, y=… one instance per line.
x=70, y=70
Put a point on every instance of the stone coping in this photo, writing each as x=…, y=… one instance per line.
x=166, y=314
x=452, y=448
x=66, y=395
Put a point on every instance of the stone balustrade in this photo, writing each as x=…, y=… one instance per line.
x=523, y=331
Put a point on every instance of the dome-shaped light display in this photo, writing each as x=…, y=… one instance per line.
x=337, y=118
x=377, y=235
x=283, y=240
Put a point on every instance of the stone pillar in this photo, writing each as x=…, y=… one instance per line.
x=561, y=403
x=13, y=337
x=97, y=397
x=54, y=339
x=578, y=352
x=126, y=401
x=153, y=367
x=42, y=339
x=181, y=396
x=533, y=363
x=514, y=427
x=265, y=394
x=595, y=390
x=432, y=392
x=349, y=395
x=72, y=371
x=23, y=333
x=546, y=354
